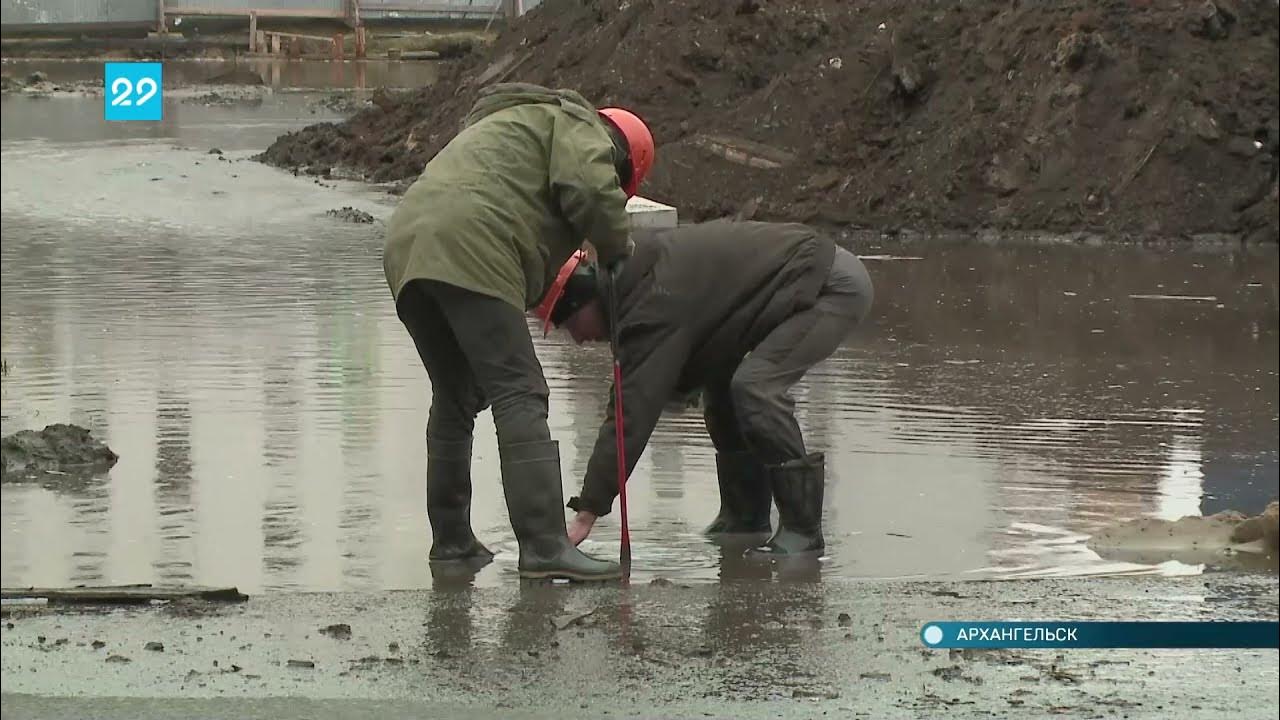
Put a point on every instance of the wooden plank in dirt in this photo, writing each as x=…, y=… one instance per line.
x=744, y=152
x=123, y=594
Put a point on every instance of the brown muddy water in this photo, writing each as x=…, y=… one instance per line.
x=239, y=350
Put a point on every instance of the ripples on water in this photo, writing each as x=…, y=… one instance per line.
x=240, y=352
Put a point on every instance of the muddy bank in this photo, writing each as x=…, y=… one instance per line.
x=58, y=448
x=782, y=646
x=1129, y=118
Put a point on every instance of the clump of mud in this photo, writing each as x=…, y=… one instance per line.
x=341, y=103
x=37, y=84
x=1142, y=118
x=350, y=215
x=1195, y=540
x=237, y=97
x=57, y=448
x=237, y=76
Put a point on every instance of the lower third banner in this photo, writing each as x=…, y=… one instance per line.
x=1004, y=634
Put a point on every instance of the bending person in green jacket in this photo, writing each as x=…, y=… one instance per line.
x=533, y=173
x=742, y=311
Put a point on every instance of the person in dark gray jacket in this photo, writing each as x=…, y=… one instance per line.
x=740, y=310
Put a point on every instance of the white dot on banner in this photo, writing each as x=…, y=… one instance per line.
x=933, y=635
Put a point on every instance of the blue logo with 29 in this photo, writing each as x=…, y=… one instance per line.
x=134, y=91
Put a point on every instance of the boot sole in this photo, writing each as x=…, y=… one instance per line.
x=571, y=576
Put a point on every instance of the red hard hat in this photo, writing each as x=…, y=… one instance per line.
x=552, y=296
x=639, y=144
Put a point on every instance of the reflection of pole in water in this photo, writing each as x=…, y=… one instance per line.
x=173, y=487
x=1181, y=481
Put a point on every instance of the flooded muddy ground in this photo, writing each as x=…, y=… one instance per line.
x=229, y=334
x=236, y=346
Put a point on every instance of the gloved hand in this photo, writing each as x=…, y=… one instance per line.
x=615, y=265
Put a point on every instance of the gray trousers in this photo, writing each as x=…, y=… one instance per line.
x=750, y=409
x=478, y=353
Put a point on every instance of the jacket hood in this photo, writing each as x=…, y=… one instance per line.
x=502, y=96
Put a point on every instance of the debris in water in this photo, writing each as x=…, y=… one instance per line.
x=337, y=631
x=351, y=215
x=820, y=694
x=393, y=647
x=566, y=622
x=97, y=645
x=881, y=676
x=844, y=619
x=1189, y=298
x=154, y=646
x=301, y=664
x=118, y=659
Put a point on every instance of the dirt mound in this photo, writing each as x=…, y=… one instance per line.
x=58, y=448
x=1130, y=117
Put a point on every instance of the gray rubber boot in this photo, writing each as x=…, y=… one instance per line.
x=797, y=489
x=449, y=504
x=744, y=496
x=535, y=503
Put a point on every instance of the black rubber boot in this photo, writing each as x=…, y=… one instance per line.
x=535, y=503
x=449, y=505
x=797, y=489
x=744, y=496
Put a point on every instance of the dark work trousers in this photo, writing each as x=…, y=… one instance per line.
x=751, y=409
x=478, y=353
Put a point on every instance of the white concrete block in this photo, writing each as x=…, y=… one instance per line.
x=646, y=213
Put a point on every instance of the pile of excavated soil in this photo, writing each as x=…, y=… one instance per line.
x=1127, y=117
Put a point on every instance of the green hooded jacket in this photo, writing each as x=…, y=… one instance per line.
x=501, y=207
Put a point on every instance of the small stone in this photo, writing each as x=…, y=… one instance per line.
x=40, y=639
x=118, y=659
x=8, y=626
x=215, y=151
x=154, y=646
x=844, y=620
x=97, y=645
x=337, y=631
x=59, y=641
x=660, y=582
x=393, y=647
x=301, y=664
x=822, y=694
x=1243, y=147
